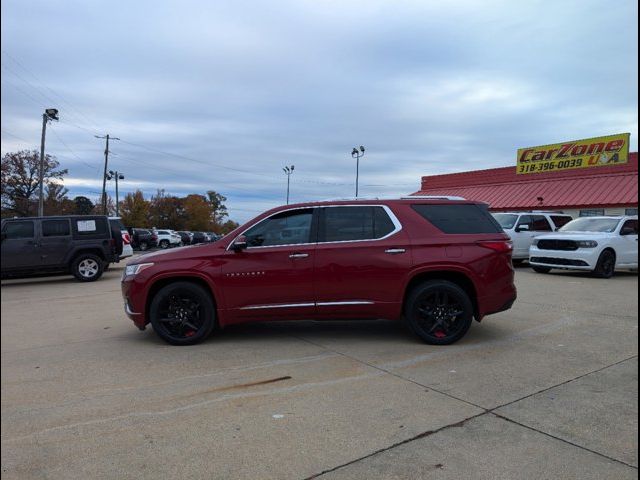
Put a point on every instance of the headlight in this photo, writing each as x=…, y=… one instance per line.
x=587, y=243
x=136, y=269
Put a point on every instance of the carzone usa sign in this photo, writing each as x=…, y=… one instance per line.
x=592, y=152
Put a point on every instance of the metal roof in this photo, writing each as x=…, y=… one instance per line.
x=503, y=189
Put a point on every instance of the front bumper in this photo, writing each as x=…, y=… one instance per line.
x=133, y=306
x=581, y=259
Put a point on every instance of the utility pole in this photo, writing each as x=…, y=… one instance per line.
x=288, y=171
x=48, y=115
x=355, y=153
x=104, y=176
x=117, y=176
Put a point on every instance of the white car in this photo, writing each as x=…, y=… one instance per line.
x=168, y=238
x=127, y=249
x=596, y=244
x=523, y=227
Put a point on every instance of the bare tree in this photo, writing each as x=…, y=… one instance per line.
x=20, y=181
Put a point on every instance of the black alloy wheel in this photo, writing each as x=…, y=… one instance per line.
x=606, y=266
x=440, y=312
x=144, y=246
x=182, y=313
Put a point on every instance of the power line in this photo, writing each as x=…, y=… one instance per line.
x=39, y=90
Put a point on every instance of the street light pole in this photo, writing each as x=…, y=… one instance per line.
x=117, y=176
x=288, y=171
x=357, y=153
x=104, y=177
x=48, y=115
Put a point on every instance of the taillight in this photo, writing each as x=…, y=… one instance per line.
x=126, y=239
x=500, y=246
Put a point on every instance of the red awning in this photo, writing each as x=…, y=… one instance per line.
x=503, y=189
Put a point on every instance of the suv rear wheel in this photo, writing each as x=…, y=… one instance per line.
x=87, y=267
x=182, y=313
x=164, y=244
x=438, y=311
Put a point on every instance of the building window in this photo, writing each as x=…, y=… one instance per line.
x=594, y=212
x=631, y=211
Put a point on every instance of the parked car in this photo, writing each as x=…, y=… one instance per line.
x=523, y=227
x=127, y=249
x=213, y=237
x=333, y=260
x=596, y=244
x=185, y=237
x=80, y=245
x=198, y=237
x=142, y=239
x=168, y=238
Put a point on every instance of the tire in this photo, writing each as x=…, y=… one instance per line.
x=606, y=266
x=144, y=246
x=87, y=267
x=174, y=317
x=541, y=269
x=441, y=327
x=164, y=244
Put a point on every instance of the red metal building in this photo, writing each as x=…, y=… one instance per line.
x=610, y=190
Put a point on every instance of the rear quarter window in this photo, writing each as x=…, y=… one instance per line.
x=560, y=221
x=91, y=227
x=459, y=219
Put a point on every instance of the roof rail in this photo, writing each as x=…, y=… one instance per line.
x=432, y=197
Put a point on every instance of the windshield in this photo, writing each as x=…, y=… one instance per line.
x=506, y=220
x=588, y=224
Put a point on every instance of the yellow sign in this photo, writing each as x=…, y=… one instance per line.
x=592, y=152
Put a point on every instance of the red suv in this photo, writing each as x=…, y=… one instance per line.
x=436, y=262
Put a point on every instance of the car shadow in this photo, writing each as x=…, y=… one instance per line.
x=16, y=282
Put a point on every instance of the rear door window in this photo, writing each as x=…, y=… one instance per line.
x=539, y=223
x=351, y=223
x=21, y=229
x=55, y=228
x=459, y=219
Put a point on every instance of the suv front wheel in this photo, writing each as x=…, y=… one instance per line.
x=87, y=267
x=182, y=313
x=438, y=311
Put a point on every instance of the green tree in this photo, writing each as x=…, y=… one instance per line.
x=134, y=210
x=197, y=213
x=56, y=201
x=83, y=205
x=167, y=211
x=218, y=208
x=20, y=181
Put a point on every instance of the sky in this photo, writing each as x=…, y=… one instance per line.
x=222, y=95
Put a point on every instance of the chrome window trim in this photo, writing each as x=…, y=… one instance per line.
x=396, y=223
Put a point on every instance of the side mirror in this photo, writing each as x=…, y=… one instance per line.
x=522, y=228
x=239, y=244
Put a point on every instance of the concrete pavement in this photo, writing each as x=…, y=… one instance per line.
x=546, y=390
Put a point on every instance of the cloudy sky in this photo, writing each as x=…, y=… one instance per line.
x=222, y=94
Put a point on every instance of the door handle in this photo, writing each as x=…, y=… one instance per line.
x=299, y=255
x=394, y=251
